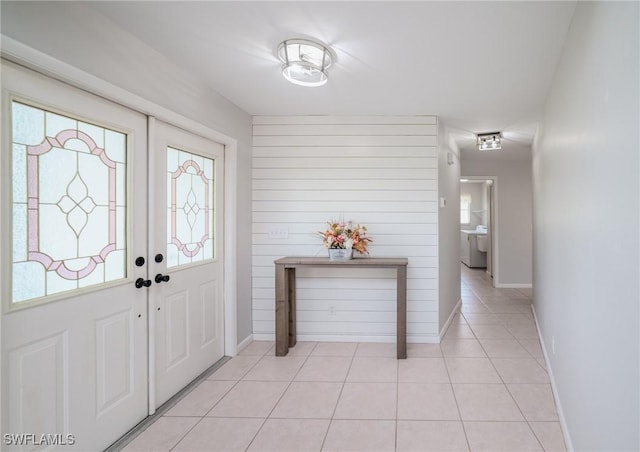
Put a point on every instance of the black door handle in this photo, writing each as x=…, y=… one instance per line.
x=141, y=282
x=162, y=278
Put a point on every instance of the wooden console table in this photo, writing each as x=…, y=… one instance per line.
x=286, y=295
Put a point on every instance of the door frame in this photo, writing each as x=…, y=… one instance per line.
x=30, y=58
x=495, y=282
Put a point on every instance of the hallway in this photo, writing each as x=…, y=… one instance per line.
x=484, y=388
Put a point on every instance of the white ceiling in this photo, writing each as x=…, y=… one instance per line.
x=479, y=66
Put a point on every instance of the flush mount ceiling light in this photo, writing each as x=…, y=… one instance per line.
x=489, y=141
x=305, y=62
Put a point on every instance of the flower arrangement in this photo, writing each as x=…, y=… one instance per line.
x=344, y=235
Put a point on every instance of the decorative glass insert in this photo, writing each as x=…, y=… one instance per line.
x=190, y=207
x=69, y=211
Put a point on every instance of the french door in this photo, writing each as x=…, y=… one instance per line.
x=110, y=267
x=188, y=231
x=74, y=325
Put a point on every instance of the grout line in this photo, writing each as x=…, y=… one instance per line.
x=455, y=398
x=306, y=358
x=335, y=408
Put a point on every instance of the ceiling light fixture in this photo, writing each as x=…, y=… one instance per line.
x=305, y=62
x=489, y=141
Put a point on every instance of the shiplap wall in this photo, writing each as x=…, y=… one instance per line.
x=373, y=170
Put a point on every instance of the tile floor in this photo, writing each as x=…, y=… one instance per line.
x=484, y=388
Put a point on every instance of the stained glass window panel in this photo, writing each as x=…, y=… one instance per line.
x=69, y=222
x=190, y=208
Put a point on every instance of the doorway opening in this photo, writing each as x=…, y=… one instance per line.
x=478, y=225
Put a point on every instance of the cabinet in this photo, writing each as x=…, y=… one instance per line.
x=469, y=254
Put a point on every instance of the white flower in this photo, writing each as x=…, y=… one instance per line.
x=348, y=244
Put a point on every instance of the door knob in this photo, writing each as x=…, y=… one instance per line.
x=141, y=282
x=162, y=278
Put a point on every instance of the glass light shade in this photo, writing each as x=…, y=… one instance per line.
x=490, y=142
x=305, y=62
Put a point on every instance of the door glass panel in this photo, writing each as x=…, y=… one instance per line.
x=190, y=208
x=69, y=208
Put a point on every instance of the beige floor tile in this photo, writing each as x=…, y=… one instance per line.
x=275, y=368
x=418, y=401
x=483, y=290
x=360, y=436
x=203, y=397
x=459, y=331
x=469, y=297
x=532, y=346
x=482, y=319
x=505, y=297
x=250, y=399
x=526, y=310
x=422, y=370
x=520, y=370
x=367, y=401
x=472, y=370
x=462, y=348
x=324, y=368
x=486, y=402
x=220, y=435
x=477, y=308
x=504, y=348
x=513, y=319
x=503, y=307
x=424, y=351
x=162, y=435
x=373, y=370
x=260, y=348
x=523, y=330
x=501, y=437
x=535, y=401
x=302, y=348
x=550, y=435
x=431, y=436
x=372, y=349
x=542, y=363
x=235, y=368
x=335, y=349
x=290, y=435
x=308, y=400
x=491, y=332
x=526, y=292
x=458, y=319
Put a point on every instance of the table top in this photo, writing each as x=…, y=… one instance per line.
x=356, y=262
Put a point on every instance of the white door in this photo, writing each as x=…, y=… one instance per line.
x=74, y=326
x=187, y=295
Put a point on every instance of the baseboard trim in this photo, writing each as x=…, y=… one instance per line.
x=444, y=328
x=563, y=422
x=513, y=286
x=411, y=339
x=242, y=345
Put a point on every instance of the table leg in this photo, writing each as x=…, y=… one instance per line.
x=401, y=295
x=291, y=285
x=282, y=312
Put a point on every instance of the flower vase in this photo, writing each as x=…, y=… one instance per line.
x=340, y=254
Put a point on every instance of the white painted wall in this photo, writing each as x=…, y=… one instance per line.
x=586, y=203
x=74, y=34
x=377, y=171
x=514, y=221
x=448, y=228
